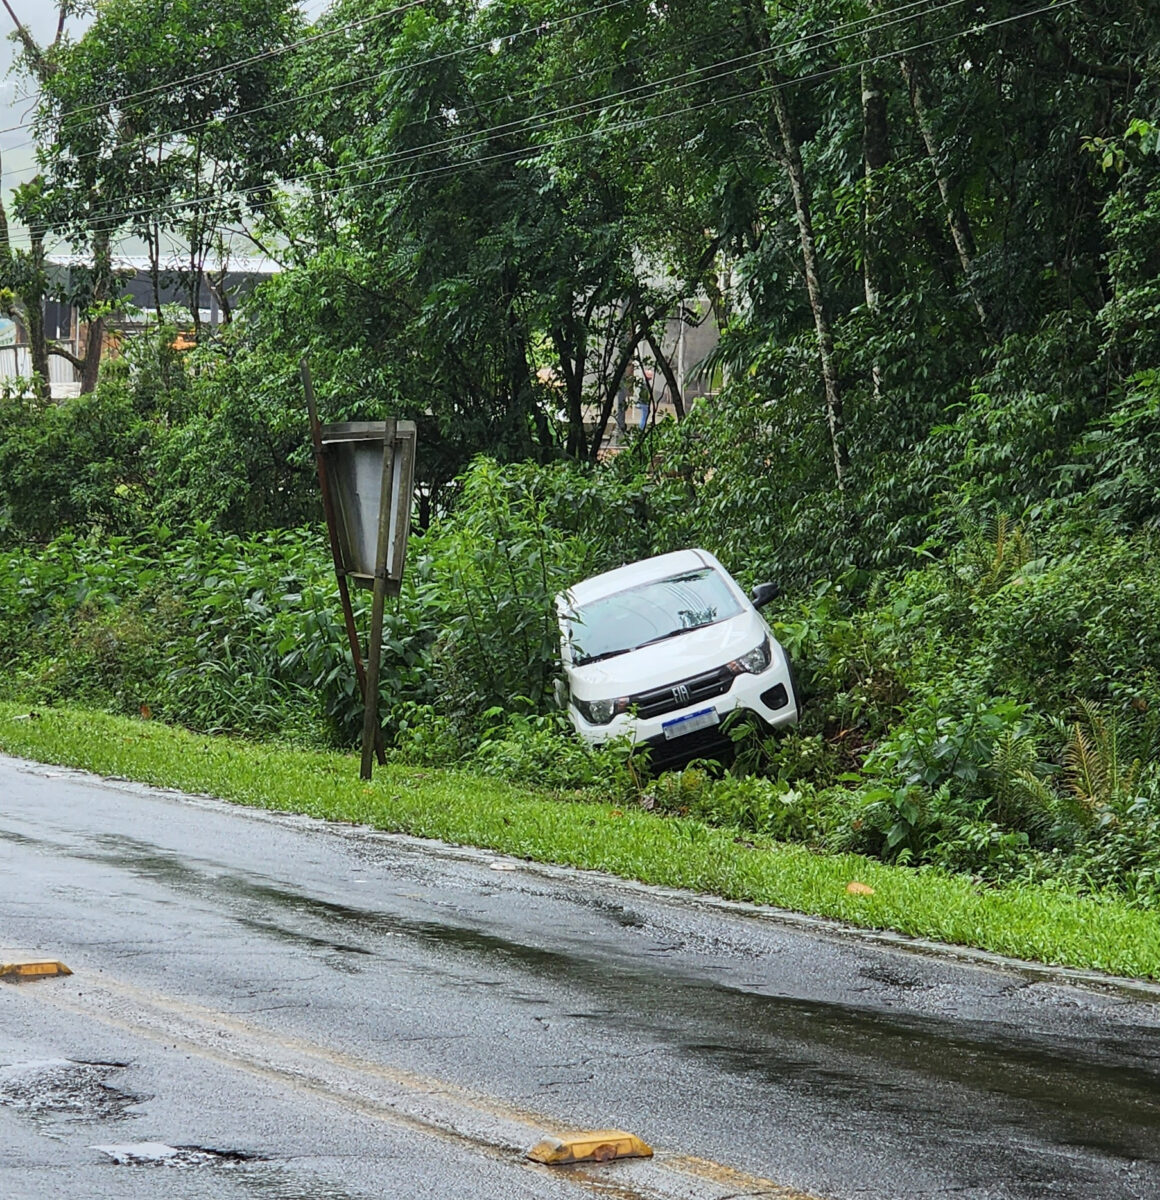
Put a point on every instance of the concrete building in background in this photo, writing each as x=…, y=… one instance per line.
x=218, y=293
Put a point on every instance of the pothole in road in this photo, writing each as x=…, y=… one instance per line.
x=158, y=1154
x=65, y=1089
x=890, y=977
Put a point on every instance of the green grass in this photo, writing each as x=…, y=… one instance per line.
x=1037, y=923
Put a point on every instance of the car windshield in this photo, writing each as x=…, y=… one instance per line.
x=650, y=612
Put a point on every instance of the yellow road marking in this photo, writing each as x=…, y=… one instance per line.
x=43, y=968
x=601, y=1145
x=423, y=1104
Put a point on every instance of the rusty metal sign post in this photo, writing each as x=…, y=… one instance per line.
x=366, y=470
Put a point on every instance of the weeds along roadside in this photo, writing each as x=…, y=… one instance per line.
x=1025, y=921
x=992, y=714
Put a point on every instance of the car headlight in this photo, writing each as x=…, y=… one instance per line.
x=754, y=661
x=600, y=712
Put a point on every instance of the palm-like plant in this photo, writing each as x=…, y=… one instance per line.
x=1096, y=760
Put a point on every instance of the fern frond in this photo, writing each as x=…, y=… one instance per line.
x=1105, y=737
x=1038, y=791
x=1011, y=756
x=1131, y=777
x=1036, y=799
x=1087, y=780
x=995, y=553
x=1000, y=542
x=1013, y=753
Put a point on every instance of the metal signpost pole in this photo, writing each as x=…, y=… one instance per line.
x=372, y=728
x=339, y=568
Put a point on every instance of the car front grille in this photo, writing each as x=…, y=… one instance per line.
x=657, y=701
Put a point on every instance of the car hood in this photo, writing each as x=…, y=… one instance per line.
x=691, y=653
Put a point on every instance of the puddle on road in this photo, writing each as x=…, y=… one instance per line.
x=298, y=938
x=1085, y=1093
x=65, y=1090
x=644, y=996
x=158, y=1154
x=19, y=839
x=1099, y=1097
x=890, y=976
x=249, y=1174
x=280, y=1184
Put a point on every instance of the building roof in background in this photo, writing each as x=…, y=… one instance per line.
x=234, y=264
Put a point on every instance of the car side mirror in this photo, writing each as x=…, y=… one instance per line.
x=764, y=593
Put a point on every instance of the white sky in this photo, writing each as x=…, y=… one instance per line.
x=17, y=95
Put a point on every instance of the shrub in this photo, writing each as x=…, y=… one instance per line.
x=496, y=565
x=424, y=736
x=751, y=804
x=540, y=749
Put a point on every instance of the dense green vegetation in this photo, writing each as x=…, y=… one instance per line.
x=929, y=238
x=992, y=712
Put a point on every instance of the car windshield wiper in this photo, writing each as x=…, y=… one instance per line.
x=672, y=633
x=591, y=658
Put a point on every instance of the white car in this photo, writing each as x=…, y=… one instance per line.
x=663, y=650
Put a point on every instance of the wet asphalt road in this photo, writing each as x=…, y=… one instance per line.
x=298, y=1010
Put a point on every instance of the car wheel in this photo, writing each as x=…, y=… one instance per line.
x=793, y=686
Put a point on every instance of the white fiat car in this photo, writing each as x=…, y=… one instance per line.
x=663, y=650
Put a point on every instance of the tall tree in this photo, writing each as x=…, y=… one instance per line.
x=23, y=273
x=157, y=122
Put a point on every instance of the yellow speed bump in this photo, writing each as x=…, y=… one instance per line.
x=43, y=968
x=601, y=1145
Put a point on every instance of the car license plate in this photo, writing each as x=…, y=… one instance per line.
x=702, y=719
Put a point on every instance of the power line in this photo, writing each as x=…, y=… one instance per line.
x=645, y=91
x=711, y=73
x=642, y=121
x=524, y=151
x=170, y=84
x=376, y=75
x=112, y=220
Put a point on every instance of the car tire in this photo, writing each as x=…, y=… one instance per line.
x=793, y=686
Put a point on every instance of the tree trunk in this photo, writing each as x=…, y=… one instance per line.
x=42, y=66
x=956, y=216
x=667, y=372
x=615, y=380
x=95, y=339
x=5, y=239
x=801, y=201
x=790, y=155
x=195, y=296
x=154, y=241
x=196, y=256
x=217, y=289
x=518, y=379
x=33, y=298
x=572, y=355
x=153, y=238
x=875, y=155
x=5, y=275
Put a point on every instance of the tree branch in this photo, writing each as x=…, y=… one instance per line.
x=41, y=65
x=667, y=371
x=67, y=355
x=1109, y=72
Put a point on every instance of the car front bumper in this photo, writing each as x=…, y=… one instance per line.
x=770, y=695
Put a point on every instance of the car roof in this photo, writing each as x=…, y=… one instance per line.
x=632, y=575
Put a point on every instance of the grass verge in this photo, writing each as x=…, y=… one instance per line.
x=1036, y=923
